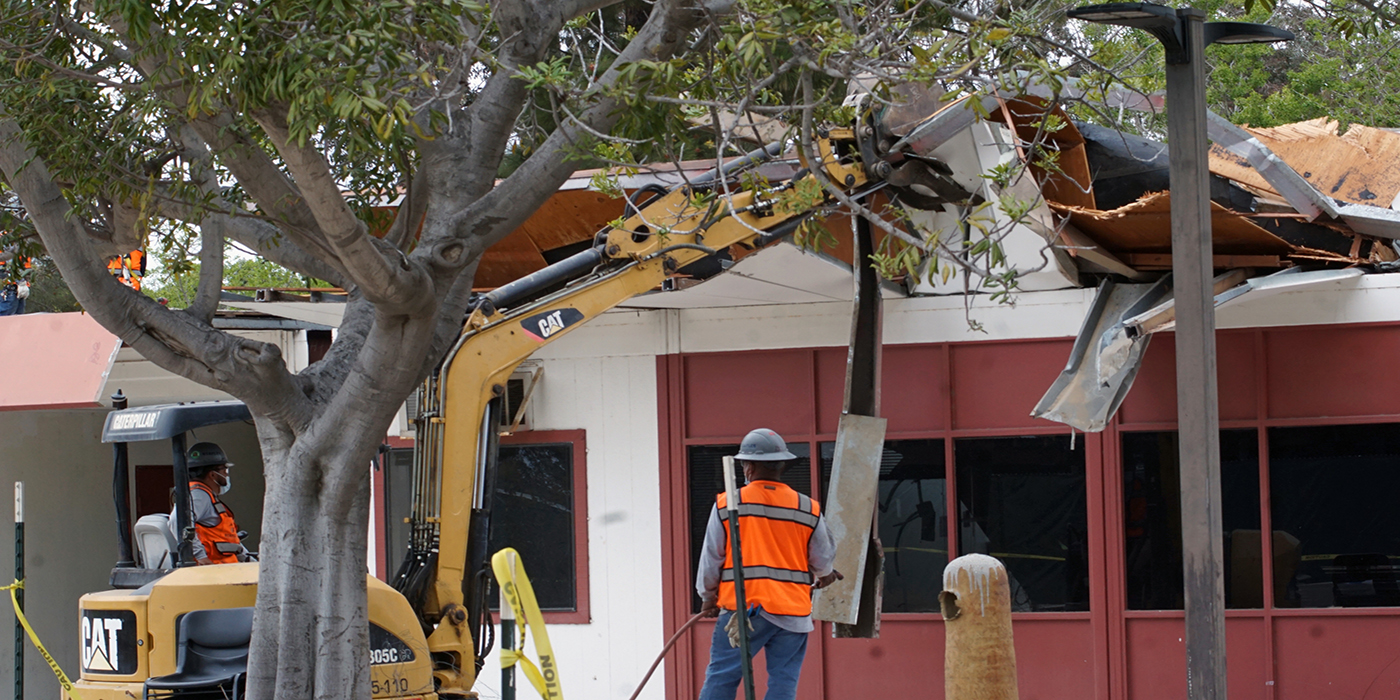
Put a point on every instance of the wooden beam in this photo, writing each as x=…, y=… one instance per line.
x=1163, y=261
x=1079, y=245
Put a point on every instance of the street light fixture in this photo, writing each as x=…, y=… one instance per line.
x=1184, y=34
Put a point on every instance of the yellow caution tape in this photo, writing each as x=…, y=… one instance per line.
x=520, y=595
x=19, y=614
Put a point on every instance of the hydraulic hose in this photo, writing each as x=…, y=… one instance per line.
x=669, y=643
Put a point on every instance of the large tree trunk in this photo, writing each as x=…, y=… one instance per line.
x=311, y=629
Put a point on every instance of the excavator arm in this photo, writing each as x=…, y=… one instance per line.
x=444, y=575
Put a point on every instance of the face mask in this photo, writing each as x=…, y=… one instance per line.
x=228, y=484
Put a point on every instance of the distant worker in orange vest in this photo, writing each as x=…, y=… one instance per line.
x=787, y=552
x=14, y=288
x=216, y=535
x=129, y=268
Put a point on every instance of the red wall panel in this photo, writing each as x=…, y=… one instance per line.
x=729, y=394
x=1338, y=658
x=995, y=385
x=905, y=662
x=1054, y=659
x=1333, y=371
x=913, y=388
x=1153, y=396
x=1157, y=659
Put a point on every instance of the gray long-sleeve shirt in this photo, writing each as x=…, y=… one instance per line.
x=821, y=551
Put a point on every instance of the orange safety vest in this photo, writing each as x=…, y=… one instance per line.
x=220, y=541
x=26, y=263
x=129, y=268
x=775, y=525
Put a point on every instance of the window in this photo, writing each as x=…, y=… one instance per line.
x=1022, y=500
x=538, y=509
x=398, y=505
x=1152, y=520
x=1336, y=525
x=913, y=522
x=706, y=470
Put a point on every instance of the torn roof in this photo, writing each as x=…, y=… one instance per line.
x=1313, y=201
x=1299, y=194
x=1357, y=166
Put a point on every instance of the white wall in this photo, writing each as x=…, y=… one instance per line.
x=614, y=400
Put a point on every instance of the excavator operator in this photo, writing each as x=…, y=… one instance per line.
x=217, y=540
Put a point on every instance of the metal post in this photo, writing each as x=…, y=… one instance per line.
x=507, y=644
x=184, y=524
x=19, y=593
x=741, y=609
x=121, y=493
x=1197, y=406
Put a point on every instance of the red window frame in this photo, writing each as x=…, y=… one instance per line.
x=581, y=614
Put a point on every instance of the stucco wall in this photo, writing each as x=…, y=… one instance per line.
x=70, y=542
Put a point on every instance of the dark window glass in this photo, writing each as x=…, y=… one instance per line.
x=913, y=510
x=1336, y=525
x=1152, y=519
x=533, y=511
x=398, y=504
x=1021, y=500
x=706, y=470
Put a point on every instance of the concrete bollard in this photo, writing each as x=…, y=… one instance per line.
x=980, y=662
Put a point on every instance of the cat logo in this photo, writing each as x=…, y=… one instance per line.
x=109, y=641
x=543, y=325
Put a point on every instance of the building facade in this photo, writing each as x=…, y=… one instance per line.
x=1087, y=524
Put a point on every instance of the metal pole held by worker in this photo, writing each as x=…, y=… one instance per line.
x=19, y=592
x=507, y=644
x=741, y=608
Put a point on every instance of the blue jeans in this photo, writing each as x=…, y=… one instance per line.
x=783, y=649
x=10, y=303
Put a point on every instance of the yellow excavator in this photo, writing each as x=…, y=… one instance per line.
x=146, y=637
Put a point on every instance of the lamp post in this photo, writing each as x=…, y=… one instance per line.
x=1184, y=34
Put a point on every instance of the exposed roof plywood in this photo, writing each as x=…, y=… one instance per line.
x=1145, y=227
x=1072, y=184
x=570, y=216
x=1358, y=166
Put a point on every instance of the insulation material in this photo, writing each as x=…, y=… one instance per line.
x=1145, y=227
x=1357, y=166
x=980, y=659
x=975, y=150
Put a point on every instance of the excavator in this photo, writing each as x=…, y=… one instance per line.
x=182, y=630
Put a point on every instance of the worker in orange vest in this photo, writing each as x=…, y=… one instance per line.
x=788, y=552
x=129, y=268
x=14, y=288
x=216, y=534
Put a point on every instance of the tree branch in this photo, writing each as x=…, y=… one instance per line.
x=176, y=342
x=358, y=252
x=501, y=210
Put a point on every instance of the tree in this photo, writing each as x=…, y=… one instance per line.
x=281, y=124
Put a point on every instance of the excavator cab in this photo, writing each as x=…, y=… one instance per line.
x=170, y=629
x=155, y=550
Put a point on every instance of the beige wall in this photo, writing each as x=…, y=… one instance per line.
x=70, y=538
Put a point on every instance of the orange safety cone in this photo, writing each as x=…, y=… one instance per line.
x=980, y=662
